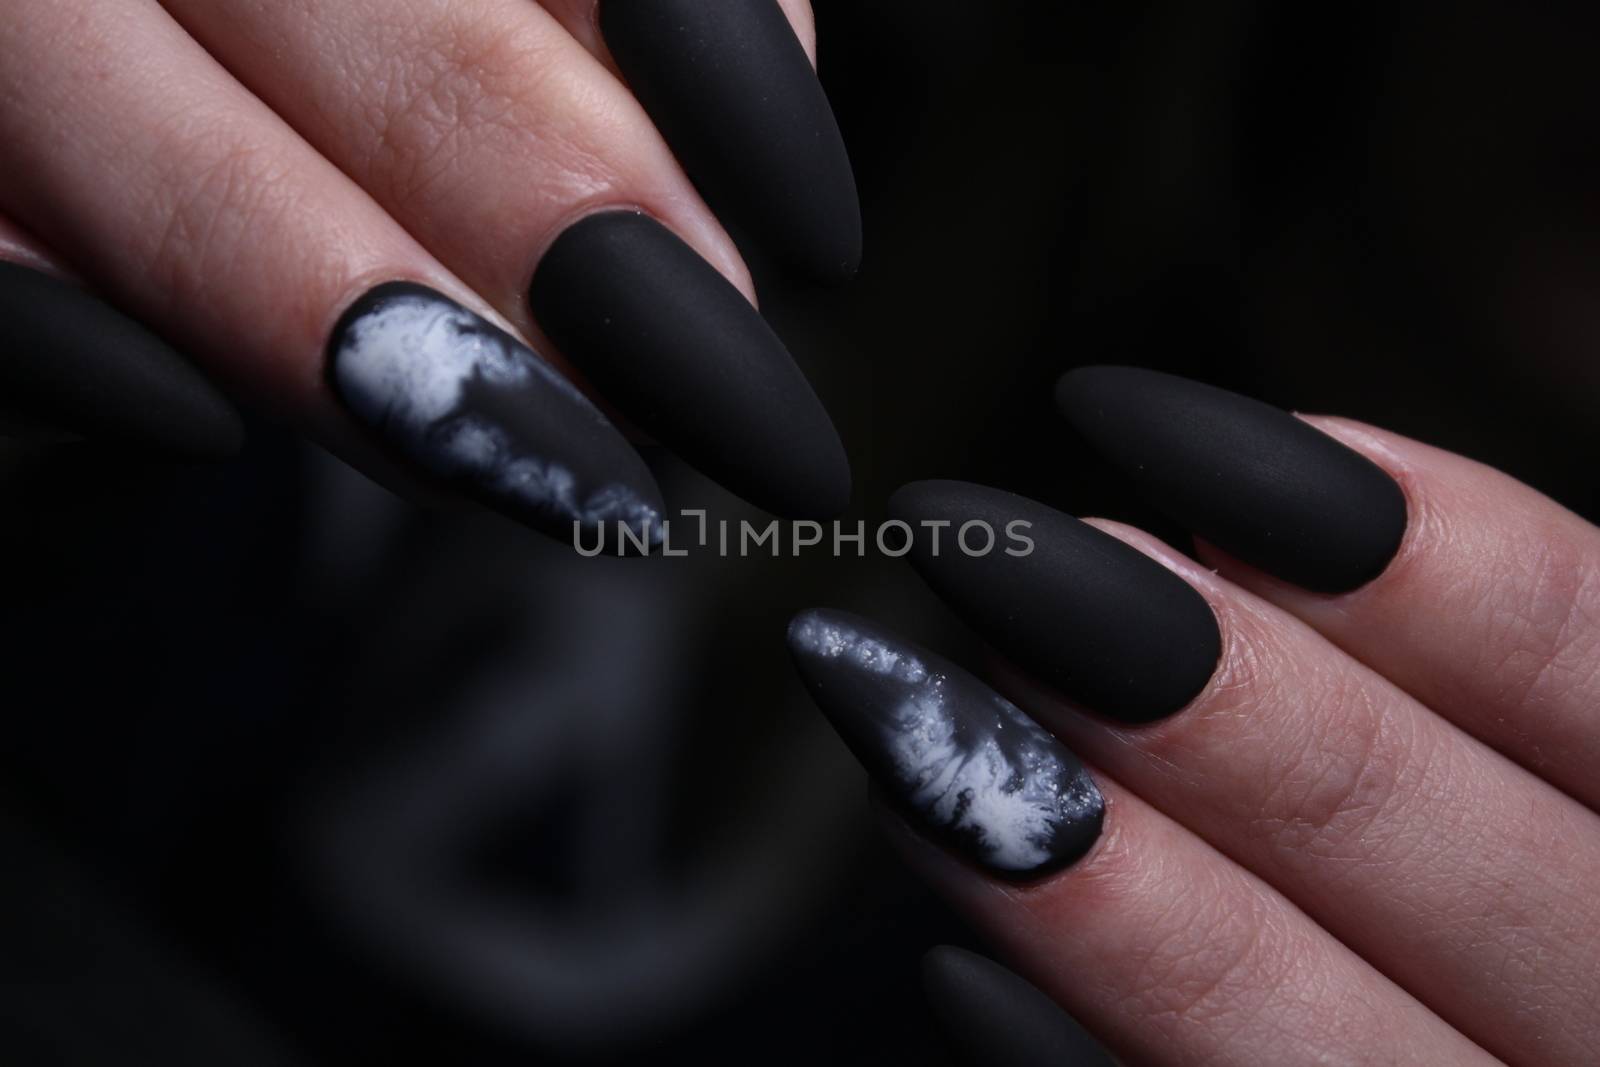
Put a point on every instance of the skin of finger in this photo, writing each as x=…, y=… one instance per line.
x=1453, y=870
x=185, y=201
x=1172, y=954
x=484, y=128
x=1489, y=614
x=582, y=19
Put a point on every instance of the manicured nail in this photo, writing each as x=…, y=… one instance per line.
x=731, y=89
x=684, y=355
x=960, y=760
x=1251, y=479
x=1103, y=623
x=995, y=1019
x=70, y=363
x=479, y=411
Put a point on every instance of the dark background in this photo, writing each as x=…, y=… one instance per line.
x=295, y=773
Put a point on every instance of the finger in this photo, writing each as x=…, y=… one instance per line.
x=497, y=140
x=174, y=191
x=1450, y=868
x=73, y=367
x=1170, y=954
x=1167, y=951
x=1483, y=601
x=732, y=89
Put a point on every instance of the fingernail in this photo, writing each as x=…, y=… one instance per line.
x=71, y=362
x=960, y=760
x=731, y=89
x=683, y=354
x=996, y=1019
x=1251, y=479
x=1103, y=623
x=479, y=411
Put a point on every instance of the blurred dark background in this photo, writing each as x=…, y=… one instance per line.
x=294, y=773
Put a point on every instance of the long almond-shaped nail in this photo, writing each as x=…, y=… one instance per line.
x=957, y=758
x=1250, y=478
x=1100, y=621
x=683, y=354
x=478, y=410
x=72, y=364
x=996, y=1019
x=731, y=89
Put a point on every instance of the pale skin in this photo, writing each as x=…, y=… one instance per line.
x=1369, y=840
x=1373, y=837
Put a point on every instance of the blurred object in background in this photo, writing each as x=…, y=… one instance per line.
x=296, y=771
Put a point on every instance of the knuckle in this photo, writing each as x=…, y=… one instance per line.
x=1319, y=752
x=1352, y=761
x=1542, y=614
x=462, y=77
x=217, y=189
x=1207, y=959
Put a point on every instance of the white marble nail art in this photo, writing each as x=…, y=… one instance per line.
x=471, y=404
x=963, y=757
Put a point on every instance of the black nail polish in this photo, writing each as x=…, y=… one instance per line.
x=1251, y=479
x=960, y=760
x=1106, y=625
x=480, y=412
x=683, y=354
x=731, y=89
x=996, y=1019
x=71, y=363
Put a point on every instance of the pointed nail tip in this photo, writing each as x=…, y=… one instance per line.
x=812, y=481
x=831, y=257
x=807, y=617
x=791, y=631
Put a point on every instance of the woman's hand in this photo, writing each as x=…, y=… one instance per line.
x=344, y=210
x=1354, y=825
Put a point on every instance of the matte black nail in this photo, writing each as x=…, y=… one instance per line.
x=959, y=759
x=1106, y=625
x=1251, y=479
x=70, y=362
x=684, y=355
x=478, y=410
x=731, y=89
x=996, y=1019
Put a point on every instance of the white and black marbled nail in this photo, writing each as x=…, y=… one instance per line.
x=481, y=412
x=959, y=759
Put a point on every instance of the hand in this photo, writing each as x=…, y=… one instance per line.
x=1340, y=802
x=336, y=208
